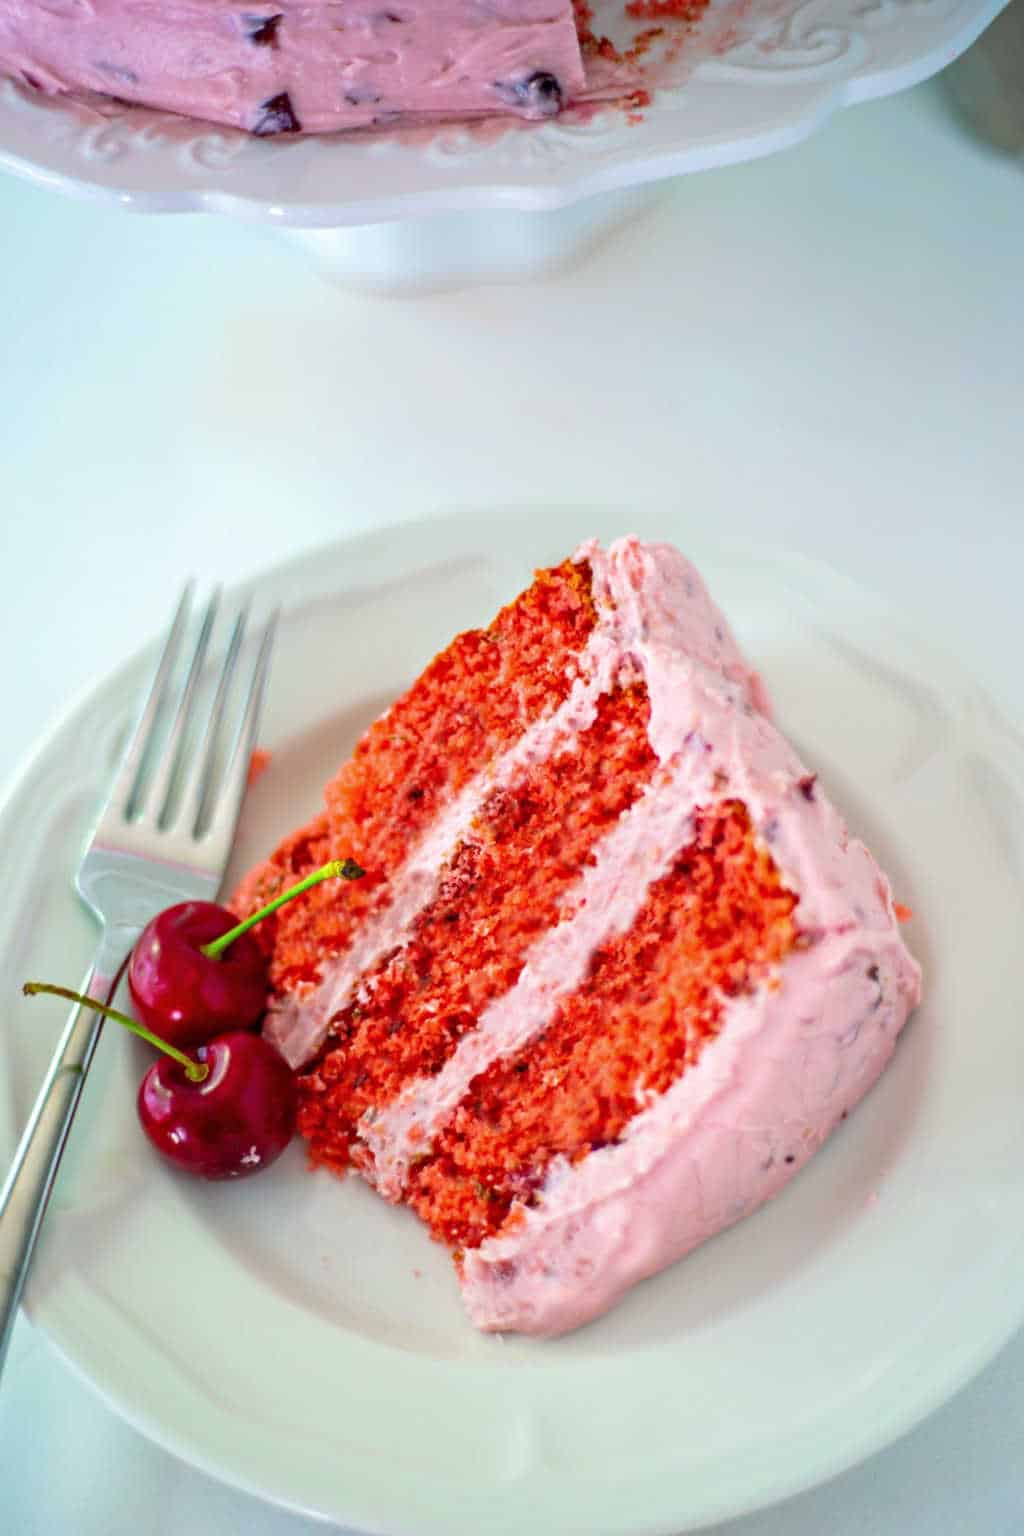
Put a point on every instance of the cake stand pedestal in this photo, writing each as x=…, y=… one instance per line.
x=446, y=250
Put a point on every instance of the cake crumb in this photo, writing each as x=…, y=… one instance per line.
x=259, y=762
x=676, y=10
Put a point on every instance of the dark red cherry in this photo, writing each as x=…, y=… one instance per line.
x=222, y=1112
x=276, y=116
x=262, y=30
x=539, y=94
x=238, y=1120
x=197, y=971
x=186, y=996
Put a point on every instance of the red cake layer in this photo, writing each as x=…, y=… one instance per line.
x=710, y=929
x=474, y=700
x=500, y=890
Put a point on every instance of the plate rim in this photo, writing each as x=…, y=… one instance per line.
x=303, y=566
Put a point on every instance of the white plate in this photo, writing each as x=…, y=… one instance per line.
x=303, y=1340
x=800, y=61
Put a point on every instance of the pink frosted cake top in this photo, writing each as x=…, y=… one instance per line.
x=287, y=68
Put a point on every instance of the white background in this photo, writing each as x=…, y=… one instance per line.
x=825, y=349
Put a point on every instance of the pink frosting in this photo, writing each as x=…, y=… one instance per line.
x=763, y=1096
x=283, y=67
x=789, y=1061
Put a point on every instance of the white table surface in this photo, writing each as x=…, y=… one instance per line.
x=825, y=348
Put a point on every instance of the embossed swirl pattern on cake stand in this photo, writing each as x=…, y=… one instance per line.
x=102, y=131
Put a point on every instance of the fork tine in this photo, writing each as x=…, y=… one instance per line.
x=124, y=790
x=159, y=794
x=232, y=789
x=197, y=789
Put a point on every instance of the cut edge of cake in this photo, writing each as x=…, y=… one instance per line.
x=775, y=1064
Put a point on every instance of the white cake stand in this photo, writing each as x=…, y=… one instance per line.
x=406, y=212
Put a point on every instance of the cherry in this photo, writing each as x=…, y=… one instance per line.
x=223, y=1113
x=238, y=1120
x=197, y=971
x=276, y=116
x=183, y=992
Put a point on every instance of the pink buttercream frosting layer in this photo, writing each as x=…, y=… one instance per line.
x=789, y=1061
x=285, y=68
x=786, y=1068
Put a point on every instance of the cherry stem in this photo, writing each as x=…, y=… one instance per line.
x=343, y=869
x=196, y=1071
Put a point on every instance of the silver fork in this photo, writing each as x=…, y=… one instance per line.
x=151, y=846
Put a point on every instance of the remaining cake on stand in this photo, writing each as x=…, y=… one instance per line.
x=616, y=970
x=310, y=68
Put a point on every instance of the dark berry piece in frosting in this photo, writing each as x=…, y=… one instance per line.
x=262, y=30
x=540, y=93
x=806, y=785
x=117, y=72
x=276, y=116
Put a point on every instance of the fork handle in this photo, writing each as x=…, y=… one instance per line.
x=27, y=1187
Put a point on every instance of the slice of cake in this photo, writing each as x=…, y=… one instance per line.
x=313, y=68
x=616, y=969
